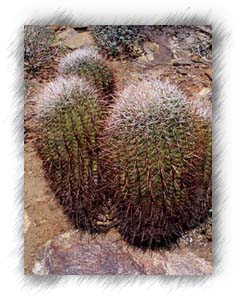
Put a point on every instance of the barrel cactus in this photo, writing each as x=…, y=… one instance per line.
x=70, y=121
x=156, y=151
x=87, y=63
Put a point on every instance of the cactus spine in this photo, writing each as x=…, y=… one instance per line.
x=88, y=64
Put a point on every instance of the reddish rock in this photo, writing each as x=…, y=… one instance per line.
x=74, y=253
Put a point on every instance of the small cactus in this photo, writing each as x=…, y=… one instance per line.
x=118, y=40
x=156, y=150
x=70, y=120
x=87, y=63
x=38, y=52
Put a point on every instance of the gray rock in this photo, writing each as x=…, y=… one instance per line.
x=155, y=53
x=182, y=262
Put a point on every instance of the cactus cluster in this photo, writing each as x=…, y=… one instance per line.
x=115, y=40
x=69, y=126
x=87, y=63
x=156, y=155
x=143, y=162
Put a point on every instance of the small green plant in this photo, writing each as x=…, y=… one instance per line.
x=38, y=52
x=156, y=151
x=118, y=40
x=70, y=120
x=87, y=63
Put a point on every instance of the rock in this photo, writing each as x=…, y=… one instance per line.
x=184, y=61
x=73, y=254
x=155, y=54
x=27, y=222
x=149, y=56
x=186, y=263
x=65, y=33
x=143, y=59
x=164, y=55
x=152, y=262
x=73, y=39
x=190, y=40
x=151, y=47
x=76, y=253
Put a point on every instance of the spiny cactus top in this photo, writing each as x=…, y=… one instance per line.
x=89, y=64
x=83, y=55
x=69, y=125
x=60, y=91
x=156, y=152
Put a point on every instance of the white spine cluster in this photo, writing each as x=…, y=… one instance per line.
x=143, y=102
x=61, y=90
x=73, y=60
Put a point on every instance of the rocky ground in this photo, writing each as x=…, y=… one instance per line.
x=51, y=245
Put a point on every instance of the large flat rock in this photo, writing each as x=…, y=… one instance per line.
x=74, y=253
x=73, y=39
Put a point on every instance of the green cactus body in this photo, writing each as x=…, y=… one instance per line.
x=155, y=151
x=88, y=64
x=69, y=125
